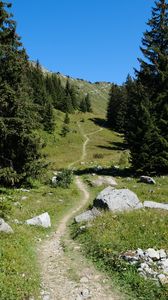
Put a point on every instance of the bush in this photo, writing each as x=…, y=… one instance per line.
x=64, y=178
x=8, y=177
x=5, y=207
x=98, y=155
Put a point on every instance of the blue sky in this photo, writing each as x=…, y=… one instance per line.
x=97, y=40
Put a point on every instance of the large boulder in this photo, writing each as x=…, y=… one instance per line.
x=117, y=200
x=4, y=227
x=147, y=179
x=152, y=204
x=87, y=215
x=42, y=220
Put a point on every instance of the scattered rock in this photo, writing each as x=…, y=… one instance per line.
x=4, y=227
x=54, y=180
x=84, y=280
x=87, y=215
x=16, y=221
x=117, y=200
x=104, y=180
x=85, y=293
x=23, y=198
x=162, y=279
x=24, y=190
x=162, y=253
x=152, y=204
x=41, y=220
x=17, y=203
x=150, y=263
x=147, y=179
x=152, y=253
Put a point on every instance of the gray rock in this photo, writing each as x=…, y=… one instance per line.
x=24, y=190
x=23, y=198
x=162, y=253
x=100, y=180
x=140, y=252
x=147, y=179
x=87, y=215
x=157, y=205
x=4, y=227
x=41, y=220
x=152, y=253
x=164, y=265
x=117, y=200
x=85, y=293
x=84, y=280
x=162, y=279
x=54, y=180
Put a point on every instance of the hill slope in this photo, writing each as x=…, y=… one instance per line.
x=98, y=91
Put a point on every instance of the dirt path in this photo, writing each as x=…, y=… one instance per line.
x=87, y=139
x=66, y=273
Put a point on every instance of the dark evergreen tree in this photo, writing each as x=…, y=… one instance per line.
x=147, y=130
x=19, y=148
x=117, y=106
x=67, y=119
x=88, y=103
x=41, y=96
x=83, y=106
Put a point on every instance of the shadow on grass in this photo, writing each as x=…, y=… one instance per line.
x=119, y=172
x=100, y=122
x=119, y=146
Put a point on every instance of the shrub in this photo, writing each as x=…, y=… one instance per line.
x=98, y=155
x=64, y=178
x=5, y=207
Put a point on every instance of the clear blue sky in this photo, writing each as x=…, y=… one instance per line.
x=97, y=40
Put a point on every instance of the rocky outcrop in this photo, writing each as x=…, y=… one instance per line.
x=87, y=215
x=150, y=263
x=42, y=220
x=156, y=205
x=117, y=200
x=100, y=180
x=4, y=227
x=147, y=179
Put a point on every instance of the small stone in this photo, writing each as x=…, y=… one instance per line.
x=23, y=198
x=4, y=227
x=84, y=280
x=163, y=279
x=140, y=252
x=85, y=293
x=17, y=203
x=25, y=190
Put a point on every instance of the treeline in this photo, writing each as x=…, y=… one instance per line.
x=139, y=108
x=27, y=99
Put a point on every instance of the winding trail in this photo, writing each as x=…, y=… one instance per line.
x=66, y=274
x=87, y=139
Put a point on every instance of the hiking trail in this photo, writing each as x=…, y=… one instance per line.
x=66, y=274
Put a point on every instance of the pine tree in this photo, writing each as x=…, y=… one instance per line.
x=42, y=93
x=83, y=106
x=116, y=109
x=19, y=148
x=88, y=103
x=149, y=109
x=67, y=119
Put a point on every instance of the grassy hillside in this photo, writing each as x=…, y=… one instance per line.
x=98, y=91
